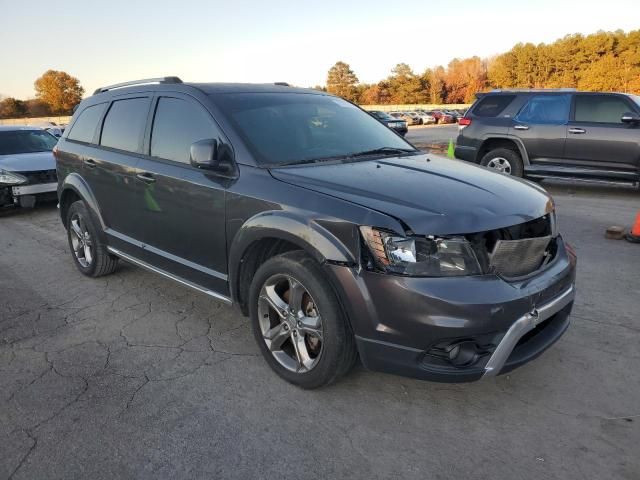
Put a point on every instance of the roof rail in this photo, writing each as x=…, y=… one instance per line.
x=144, y=81
x=498, y=90
x=282, y=84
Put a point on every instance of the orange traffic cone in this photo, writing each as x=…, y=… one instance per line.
x=634, y=234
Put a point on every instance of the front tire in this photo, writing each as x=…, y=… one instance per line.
x=298, y=322
x=504, y=160
x=89, y=254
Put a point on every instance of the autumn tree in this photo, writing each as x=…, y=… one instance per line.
x=405, y=86
x=341, y=81
x=12, y=108
x=464, y=78
x=59, y=90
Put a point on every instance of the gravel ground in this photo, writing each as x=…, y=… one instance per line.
x=132, y=376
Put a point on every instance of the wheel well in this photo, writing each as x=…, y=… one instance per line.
x=493, y=143
x=256, y=254
x=68, y=197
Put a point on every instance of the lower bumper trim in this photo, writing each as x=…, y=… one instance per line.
x=33, y=189
x=523, y=325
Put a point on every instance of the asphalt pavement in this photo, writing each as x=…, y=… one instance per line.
x=133, y=376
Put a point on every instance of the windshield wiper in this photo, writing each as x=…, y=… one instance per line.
x=383, y=150
x=365, y=153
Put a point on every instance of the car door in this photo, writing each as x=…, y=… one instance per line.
x=597, y=137
x=541, y=124
x=110, y=168
x=182, y=215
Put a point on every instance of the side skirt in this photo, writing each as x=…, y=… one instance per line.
x=168, y=275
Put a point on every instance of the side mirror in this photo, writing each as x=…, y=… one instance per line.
x=204, y=153
x=630, y=117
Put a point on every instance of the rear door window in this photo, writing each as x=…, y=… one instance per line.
x=125, y=123
x=546, y=109
x=600, y=108
x=177, y=124
x=84, y=128
x=492, y=105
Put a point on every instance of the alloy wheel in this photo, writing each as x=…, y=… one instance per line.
x=500, y=164
x=81, y=241
x=290, y=323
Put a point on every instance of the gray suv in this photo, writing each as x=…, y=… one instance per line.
x=336, y=236
x=554, y=133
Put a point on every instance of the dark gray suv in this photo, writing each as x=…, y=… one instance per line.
x=554, y=133
x=333, y=233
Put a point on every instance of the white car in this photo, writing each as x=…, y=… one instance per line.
x=27, y=166
x=425, y=117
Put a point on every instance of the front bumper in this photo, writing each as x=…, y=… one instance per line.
x=34, y=189
x=402, y=323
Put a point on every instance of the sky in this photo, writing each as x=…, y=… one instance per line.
x=103, y=43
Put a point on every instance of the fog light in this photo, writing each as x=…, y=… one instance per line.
x=463, y=354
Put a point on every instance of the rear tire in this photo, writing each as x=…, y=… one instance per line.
x=89, y=254
x=323, y=352
x=504, y=160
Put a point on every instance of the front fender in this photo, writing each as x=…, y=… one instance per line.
x=74, y=182
x=319, y=238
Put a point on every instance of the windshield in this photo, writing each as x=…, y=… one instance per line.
x=289, y=128
x=636, y=99
x=26, y=141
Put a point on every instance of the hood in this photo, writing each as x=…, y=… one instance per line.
x=28, y=162
x=432, y=195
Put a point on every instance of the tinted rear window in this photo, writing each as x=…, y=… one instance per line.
x=124, y=124
x=492, y=105
x=600, y=108
x=84, y=128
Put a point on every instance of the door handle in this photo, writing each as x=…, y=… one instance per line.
x=577, y=131
x=90, y=162
x=146, y=177
x=521, y=127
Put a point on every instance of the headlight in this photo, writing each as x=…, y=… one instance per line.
x=421, y=256
x=10, y=178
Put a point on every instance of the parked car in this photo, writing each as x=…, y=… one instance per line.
x=400, y=126
x=27, y=166
x=554, y=133
x=423, y=118
x=338, y=240
x=442, y=117
x=409, y=119
x=455, y=114
x=426, y=117
x=51, y=127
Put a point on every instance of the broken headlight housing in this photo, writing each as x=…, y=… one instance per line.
x=426, y=256
x=11, y=178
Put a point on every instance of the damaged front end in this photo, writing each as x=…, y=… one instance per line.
x=25, y=188
x=511, y=252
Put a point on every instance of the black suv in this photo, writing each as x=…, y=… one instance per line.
x=554, y=133
x=333, y=233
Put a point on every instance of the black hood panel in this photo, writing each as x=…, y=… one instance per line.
x=431, y=194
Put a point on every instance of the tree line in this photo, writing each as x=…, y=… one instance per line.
x=57, y=93
x=603, y=61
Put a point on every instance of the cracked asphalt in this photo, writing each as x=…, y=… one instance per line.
x=133, y=376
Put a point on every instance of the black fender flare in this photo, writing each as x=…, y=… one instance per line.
x=491, y=136
x=309, y=235
x=77, y=184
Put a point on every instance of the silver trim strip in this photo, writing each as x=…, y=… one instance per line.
x=167, y=255
x=170, y=276
x=523, y=325
x=35, y=188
